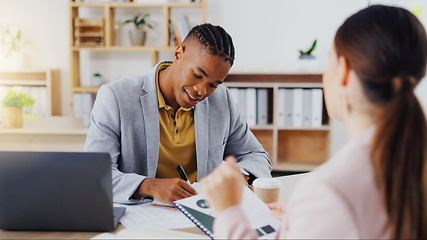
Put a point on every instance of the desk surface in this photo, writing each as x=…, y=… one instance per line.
x=289, y=182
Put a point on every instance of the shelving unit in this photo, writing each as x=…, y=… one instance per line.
x=290, y=148
x=37, y=78
x=109, y=9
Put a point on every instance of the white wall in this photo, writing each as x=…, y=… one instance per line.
x=267, y=36
x=44, y=23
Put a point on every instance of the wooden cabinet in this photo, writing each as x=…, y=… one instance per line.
x=49, y=80
x=290, y=148
x=108, y=41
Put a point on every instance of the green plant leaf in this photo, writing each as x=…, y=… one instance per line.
x=9, y=52
x=18, y=35
x=310, y=50
x=140, y=21
x=17, y=99
x=313, y=46
x=12, y=42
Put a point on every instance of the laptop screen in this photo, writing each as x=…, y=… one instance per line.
x=56, y=191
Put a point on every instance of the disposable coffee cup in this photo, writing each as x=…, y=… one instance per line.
x=267, y=189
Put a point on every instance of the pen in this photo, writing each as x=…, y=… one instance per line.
x=182, y=174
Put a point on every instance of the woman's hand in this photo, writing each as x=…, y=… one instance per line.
x=224, y=185
x=277, y=209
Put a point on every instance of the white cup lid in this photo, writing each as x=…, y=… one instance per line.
x=267, y=183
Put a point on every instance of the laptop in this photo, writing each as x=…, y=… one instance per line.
x=57, y=191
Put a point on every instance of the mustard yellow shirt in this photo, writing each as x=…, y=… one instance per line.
x=177, y=138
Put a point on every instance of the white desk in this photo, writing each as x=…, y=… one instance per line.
x=289, y=183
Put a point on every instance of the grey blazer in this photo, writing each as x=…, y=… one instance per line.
x=125, y=123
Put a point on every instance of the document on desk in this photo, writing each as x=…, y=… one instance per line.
x=146, y=215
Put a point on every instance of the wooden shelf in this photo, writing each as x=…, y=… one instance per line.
x=290, y=148
x=37, y=78
x=108, y=43
x=274, y=78
x=137, y=5
x=85, y=89
x=12, y=82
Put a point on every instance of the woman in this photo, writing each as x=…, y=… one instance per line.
x=373, y=187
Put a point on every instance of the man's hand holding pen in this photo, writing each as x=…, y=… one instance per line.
x=167, y=189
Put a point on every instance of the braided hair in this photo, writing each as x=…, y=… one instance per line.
x=214, y=39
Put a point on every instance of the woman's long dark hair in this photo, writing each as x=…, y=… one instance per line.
x=387, y=48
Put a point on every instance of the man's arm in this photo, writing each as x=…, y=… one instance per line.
x=104, y=136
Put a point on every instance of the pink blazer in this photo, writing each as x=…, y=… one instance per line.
x=339, y=199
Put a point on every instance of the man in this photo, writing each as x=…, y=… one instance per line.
x=177, y=114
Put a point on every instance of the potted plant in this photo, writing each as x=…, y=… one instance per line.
x=12, y=45
x=97, y=80
x=140, y=22
x=12, y=108
x=307, y=61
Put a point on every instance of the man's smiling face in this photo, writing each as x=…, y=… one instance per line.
x=197, y=74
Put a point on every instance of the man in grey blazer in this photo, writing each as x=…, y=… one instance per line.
x=177, y=113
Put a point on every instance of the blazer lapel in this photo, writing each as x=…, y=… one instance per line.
x=201, y=123
x=150, y=112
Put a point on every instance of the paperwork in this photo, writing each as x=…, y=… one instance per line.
x=145, y=215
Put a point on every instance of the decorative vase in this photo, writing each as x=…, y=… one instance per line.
x=307, y=63
x=137, y=37
x=97, y=81
x=15, y=61
x=12, y=117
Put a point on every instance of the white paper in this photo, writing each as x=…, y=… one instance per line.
x=145, y=215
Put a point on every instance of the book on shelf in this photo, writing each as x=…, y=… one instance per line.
x=316, y=107
x=234, y=92
x=297, y=107
x=83, y=103
x=178, y=29
x=262, y=106
x=281, y=106
x=242, y=102
x=306, y=107
x=251, y=106
x=289, y=106
x=173, y=29
x=174, y=38
x=183, y=26
x=197, y=210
